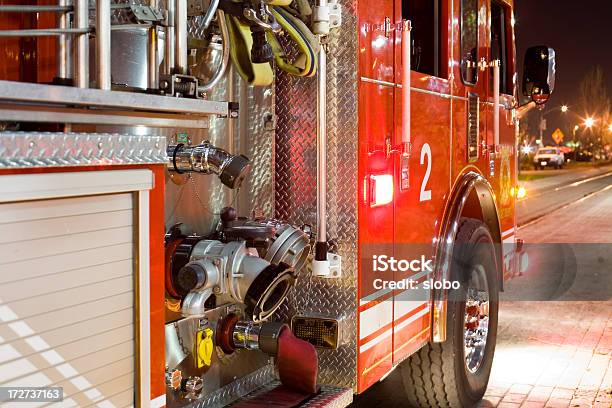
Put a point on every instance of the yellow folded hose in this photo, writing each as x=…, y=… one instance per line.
x=305, y=65
x=240, y=52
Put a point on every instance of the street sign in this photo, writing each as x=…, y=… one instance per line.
x=558, y=136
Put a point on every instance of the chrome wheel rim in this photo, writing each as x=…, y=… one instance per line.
x=476, y=320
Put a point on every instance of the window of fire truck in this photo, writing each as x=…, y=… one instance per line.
x=469, y=41
x=425, y=16
x=499, y=44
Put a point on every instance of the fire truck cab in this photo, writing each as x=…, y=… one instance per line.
x=213, y=203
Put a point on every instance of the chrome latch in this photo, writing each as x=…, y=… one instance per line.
x=388, y=27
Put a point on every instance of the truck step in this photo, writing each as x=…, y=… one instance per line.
x=328, y=397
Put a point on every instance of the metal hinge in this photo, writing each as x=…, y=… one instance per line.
x=146, y=14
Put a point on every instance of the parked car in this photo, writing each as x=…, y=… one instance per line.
x=549, y=157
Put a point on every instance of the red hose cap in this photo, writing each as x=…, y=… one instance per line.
x=297, y=363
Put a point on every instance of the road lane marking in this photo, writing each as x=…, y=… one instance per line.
x=563, y=207
x=565, y=186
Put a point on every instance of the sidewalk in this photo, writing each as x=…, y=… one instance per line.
x=558, y=354
x=552, y=354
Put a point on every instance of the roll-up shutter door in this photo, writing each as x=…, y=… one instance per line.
x=67, y=275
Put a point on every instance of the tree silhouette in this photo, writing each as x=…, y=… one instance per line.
x=594, y=101
x=593, y=96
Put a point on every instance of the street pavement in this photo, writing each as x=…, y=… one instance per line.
x=554, y=345
x=550, y=193
x=560, y=177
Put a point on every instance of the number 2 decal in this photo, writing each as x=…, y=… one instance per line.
x=426, y=152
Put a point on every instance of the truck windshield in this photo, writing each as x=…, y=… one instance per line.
x=547, y=151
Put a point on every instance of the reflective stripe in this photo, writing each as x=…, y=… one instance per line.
x=375, y=318
x=375, y=341
x=402, y=308
x=387, y=333
x=382, y=292
x=411, y=319
x=378, y=319
x=374, y=296
x=159, y=401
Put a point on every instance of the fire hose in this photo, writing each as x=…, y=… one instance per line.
x=295, y=359
x=254, y=41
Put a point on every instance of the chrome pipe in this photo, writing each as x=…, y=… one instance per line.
x=210, y=13
x=170, y=37
x=258, y=336
x=181, y=37
x=246, y=335
x=226, y=55
x=103, y=44
x=61, y=8
x=204, y=158
x=496, y=80
x=152, y=54
x=44, y=32
x=81, y=22
x=322, y=152
x=208, y=159
x=64, y=43
x=406, y=82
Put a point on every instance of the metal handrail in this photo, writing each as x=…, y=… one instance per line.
x=43, y=32
x=14, y=8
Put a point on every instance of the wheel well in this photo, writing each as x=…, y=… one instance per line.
x=480, y=205
x=472, y=197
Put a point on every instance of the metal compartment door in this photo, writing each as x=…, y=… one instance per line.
x=68, y=271
x=424, y=169
x=375, y=340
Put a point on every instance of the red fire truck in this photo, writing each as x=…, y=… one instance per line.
x=253, y=202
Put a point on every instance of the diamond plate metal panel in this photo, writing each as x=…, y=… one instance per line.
x=239, y=388
x=257, y=142
x=329, y=397
x=119, y=15
x=41, y=149
x=296, y=188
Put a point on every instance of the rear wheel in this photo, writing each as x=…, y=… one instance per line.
x=456, y=373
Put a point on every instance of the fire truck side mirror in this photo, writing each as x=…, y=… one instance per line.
x=539, y=73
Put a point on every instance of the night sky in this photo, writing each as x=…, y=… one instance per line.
x=580, y=31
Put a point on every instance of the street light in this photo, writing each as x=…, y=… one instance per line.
x=564, y=108
x=589, y=122
x=610, y=127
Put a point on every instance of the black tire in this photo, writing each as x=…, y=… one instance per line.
x=438, y=375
